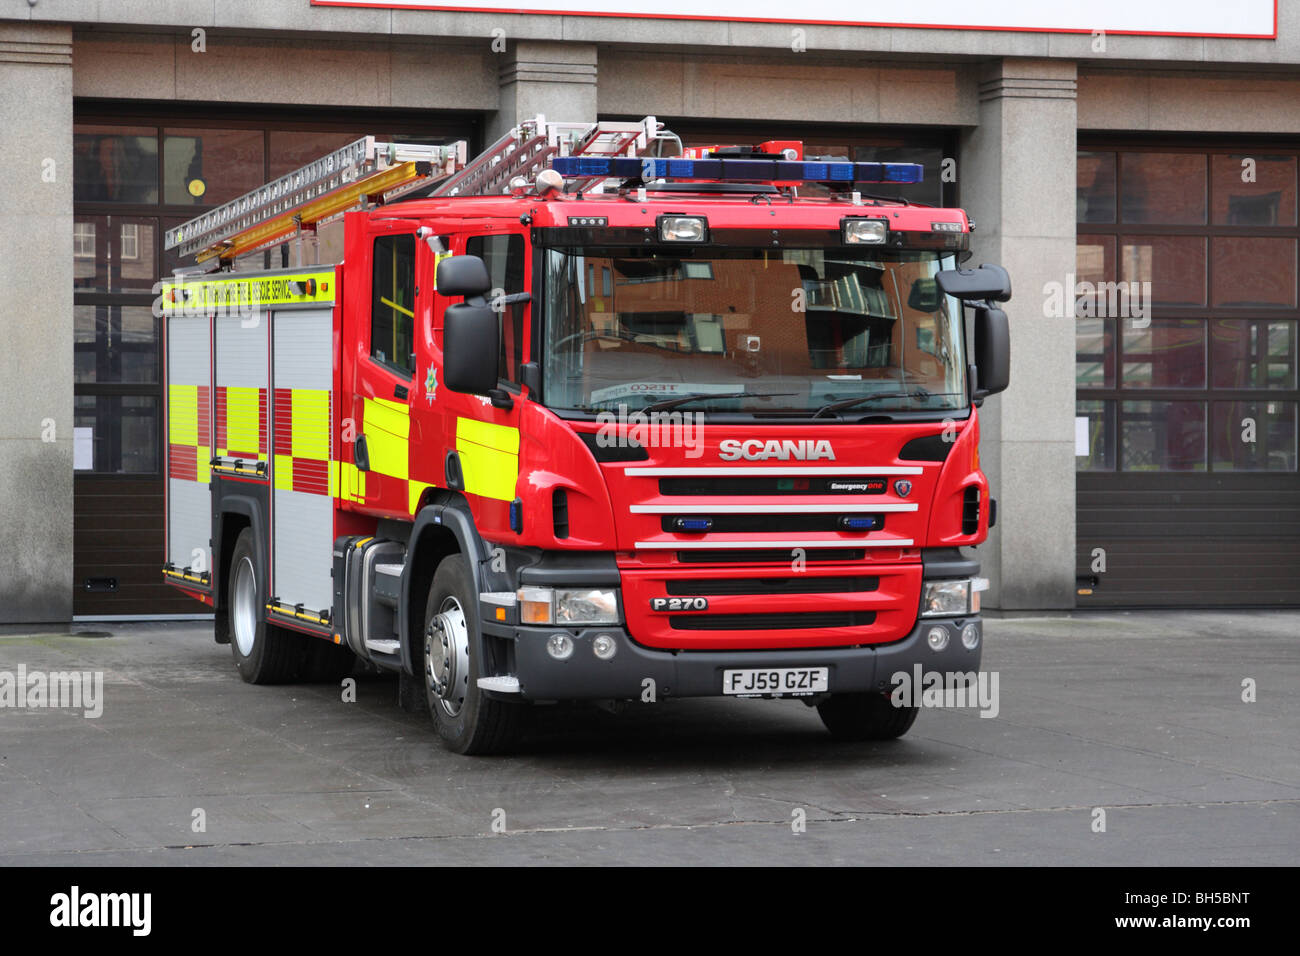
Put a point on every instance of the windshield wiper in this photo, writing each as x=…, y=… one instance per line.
x=674, y=402
x=920, y=393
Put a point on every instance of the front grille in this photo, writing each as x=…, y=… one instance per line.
x=772, y=486
x=720, y=524
x=768, y=555
x=770, y=622
x=799, y=585
x=970, y=511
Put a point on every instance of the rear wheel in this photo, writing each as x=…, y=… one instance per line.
x=264, y=653
x=865, y=717
x=468, y=721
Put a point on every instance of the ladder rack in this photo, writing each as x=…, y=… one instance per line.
x=368, y=171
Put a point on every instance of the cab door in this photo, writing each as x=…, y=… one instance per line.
x=383, y=369
x=478, y=438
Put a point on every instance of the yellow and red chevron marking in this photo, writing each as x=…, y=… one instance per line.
x=241, y=423
x=302, y=441
x=189, y=439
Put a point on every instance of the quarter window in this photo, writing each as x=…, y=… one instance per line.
x=392, y=308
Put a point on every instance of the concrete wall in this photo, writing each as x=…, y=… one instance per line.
x=1017, y=176
x=36, y=330
x=1012, y=96
x=298, y=16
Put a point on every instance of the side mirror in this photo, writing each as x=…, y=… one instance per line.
x=992, y=352
x=471, y=346
x=987, y=282
x=462, y=275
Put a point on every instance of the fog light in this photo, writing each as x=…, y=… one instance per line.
x=560, y=646
x=937, y=638
x=604, y=647
x=970, y=637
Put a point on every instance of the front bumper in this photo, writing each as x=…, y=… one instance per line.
x=627, y=676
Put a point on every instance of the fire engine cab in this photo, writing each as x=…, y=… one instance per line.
x=590, y=417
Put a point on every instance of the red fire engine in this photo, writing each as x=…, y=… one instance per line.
x=591, y=417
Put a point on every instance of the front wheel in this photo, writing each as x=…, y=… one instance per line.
x=468, y=721
x=865, y=717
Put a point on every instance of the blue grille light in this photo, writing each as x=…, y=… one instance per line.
x=693, y=524
x=859, y=522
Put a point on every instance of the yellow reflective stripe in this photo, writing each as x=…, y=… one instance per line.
x=352, y=483
x=311, y=423
x=183, y=414
x=500, y=437
x=284, y=472
x=333, y=472
x=489, y=458
x=205, y=465
x=387, y=426
x=242, y=420
x=414, y=490
x=232, y=294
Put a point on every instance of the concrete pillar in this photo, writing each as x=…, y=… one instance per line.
x=35, y=323
x=1017, y=180
x=557, y=80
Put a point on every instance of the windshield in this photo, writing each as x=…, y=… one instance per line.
x=780, y=332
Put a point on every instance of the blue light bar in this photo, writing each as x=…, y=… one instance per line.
x=736, y=170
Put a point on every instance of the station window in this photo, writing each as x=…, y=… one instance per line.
x=392, y=310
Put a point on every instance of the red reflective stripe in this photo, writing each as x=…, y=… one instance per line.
x=221, y=417
x=284, y=421
x=311, y=475
x=261, y=421
x=205, y=418
x=182, y=462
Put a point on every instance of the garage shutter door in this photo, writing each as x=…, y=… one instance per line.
x=1185, y=306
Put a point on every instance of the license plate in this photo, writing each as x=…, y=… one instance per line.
x=776, y=680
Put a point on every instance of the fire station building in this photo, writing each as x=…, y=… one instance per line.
x=1144, y=455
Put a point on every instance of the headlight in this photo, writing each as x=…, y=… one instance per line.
x=570, y=606
x=947, y=598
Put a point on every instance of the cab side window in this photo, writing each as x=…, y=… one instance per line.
x=504, y=257
x=392, y=306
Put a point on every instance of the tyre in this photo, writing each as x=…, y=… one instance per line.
x=264, y=653
x=865, y=717
x=468, y=721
